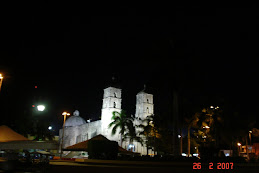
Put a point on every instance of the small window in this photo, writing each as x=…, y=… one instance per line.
x=131, y=147
x=114, y=104
x=147, y=110
x=115, y=95
x=147, y=100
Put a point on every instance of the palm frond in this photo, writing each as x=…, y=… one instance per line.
x=114, y=129
x=111, y=124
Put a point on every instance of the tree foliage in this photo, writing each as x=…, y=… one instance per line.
x=123, y=123
x=206, y=124
x=151, y=132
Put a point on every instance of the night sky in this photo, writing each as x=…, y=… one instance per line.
x=208, y=55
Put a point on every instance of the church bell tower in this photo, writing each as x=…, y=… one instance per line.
x=111, y=103
x=144, y=105
x=144, y=108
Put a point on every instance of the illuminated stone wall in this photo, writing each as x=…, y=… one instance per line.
x=111, y=103
x=76, y=134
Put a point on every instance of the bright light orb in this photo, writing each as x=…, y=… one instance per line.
x=41, y=108
x=195, y=154
x=50, y=127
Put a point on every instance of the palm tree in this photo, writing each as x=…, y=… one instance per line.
x=150, y=131
x=192, y=122
x=207, y=124
x=131, y=134
x=122, y=122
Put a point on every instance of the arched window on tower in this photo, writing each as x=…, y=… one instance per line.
x=114, y=94
x=147, y=100
x=114, y=104
x=147, y=110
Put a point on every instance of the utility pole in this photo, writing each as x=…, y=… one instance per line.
x=189, y=141
x=176, y=148
x=1, y=81
x=181, y=141
x=247, y=149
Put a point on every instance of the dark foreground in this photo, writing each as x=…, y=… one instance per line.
x=73, y=167
x=121, y=169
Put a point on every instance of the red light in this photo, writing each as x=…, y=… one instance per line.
x=33, y=106
x=36, y=86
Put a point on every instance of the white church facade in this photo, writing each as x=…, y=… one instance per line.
x=77, y=129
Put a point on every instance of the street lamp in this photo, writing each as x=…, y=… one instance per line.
x=65, y=114
x=40, y=108
x=1, y=80
x=239, y=145
x=214, y=107
x=36, y=118
x=250, y=133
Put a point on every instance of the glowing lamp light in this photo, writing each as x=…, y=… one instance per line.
x=41, y=108
x=50, y=127
x=239, y=144
x=131, y=145
x=1, y=77
x=65, y=113
x=195, y=154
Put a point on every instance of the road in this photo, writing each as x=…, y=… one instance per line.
x=152, y=167
x=114, y=167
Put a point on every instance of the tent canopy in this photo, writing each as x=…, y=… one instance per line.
x=10, y=140
x=83, y=146
x=8, y=135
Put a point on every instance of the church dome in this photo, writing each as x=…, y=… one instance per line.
x=74, y=120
